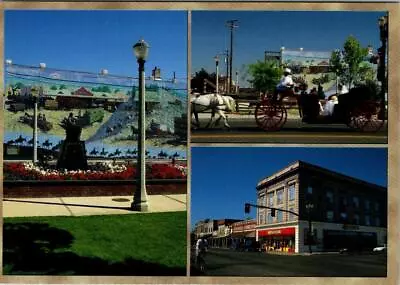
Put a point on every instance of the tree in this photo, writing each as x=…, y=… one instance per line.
x=53, y=87
x=62, y=86
x=197, y=82
x=347, y=63
x=264, y=76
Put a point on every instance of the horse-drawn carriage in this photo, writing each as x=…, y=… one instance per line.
x=42, y=123
x=359, y=109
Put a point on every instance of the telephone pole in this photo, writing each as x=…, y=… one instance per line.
x=231, y=24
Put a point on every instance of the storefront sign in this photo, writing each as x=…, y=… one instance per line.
x=277, y=232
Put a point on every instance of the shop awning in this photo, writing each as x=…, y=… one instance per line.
x=277, y=232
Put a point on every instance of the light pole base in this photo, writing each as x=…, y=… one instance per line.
x=140, y=206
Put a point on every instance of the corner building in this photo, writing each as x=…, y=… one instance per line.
x=346, y=212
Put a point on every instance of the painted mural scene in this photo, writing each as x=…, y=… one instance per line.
x=324, y=83
x=297, y=212
x=95, y=141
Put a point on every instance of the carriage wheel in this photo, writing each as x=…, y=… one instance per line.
x=366, y=118
x=270, y=117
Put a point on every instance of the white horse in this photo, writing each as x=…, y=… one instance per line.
x=214, y=102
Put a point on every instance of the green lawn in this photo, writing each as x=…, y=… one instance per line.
x=139, y=244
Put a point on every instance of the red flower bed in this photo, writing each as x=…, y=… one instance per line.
x=21, y=171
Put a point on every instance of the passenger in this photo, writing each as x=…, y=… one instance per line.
x=330, y=105
x=343, y=89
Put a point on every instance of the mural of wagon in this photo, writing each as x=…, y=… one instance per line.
x=42, y=123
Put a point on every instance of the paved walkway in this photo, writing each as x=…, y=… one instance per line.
x=85, y=206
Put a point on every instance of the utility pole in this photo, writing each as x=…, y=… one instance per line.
x=231, y=24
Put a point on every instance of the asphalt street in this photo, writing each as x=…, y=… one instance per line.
x=227, y=262
x=245, y=130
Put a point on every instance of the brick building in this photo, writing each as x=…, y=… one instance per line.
x=347, y=212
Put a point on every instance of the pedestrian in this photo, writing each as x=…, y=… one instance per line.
x=201, y=248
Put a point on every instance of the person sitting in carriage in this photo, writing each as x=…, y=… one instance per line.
x=285, y=85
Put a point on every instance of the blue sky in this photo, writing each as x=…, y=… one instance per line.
x=95, y=40
x=269, y=30
x=223, y=179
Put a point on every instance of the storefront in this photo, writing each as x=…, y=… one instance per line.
x=282, y=239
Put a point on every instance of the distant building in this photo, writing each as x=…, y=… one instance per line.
x=347, y=212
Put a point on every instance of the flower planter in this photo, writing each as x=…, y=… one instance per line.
x=87, y=188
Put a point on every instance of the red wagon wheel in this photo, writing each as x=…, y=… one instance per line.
x=270, y=116
x=366, y=117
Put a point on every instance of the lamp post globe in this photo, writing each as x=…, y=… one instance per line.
x=141, y=50
x=140, y=202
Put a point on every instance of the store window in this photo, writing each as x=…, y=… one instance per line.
x=329, y=216
x=279, y=216
x=356, y=202
x=292, y=192
x=367, y=220
x=279, y=195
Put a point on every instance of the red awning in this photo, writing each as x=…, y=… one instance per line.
x=277, y=232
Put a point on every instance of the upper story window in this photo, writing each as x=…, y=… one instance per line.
x=366, y=204
x=329, y=216
x=356, y=219
x=279, y=195
x=377, y=222
x=329, y=197
x=270, y=219
x=367, y=220
x=270, y=199
x=291, y=216
x=279, y=216
x=376, y=206
x=356, y=202
x=292, y=192
x=343, y=201
x=343, y=217
x=309, y=190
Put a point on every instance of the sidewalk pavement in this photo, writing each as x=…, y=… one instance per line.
x=86, y=206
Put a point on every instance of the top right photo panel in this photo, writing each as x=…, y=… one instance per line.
x=289, y=77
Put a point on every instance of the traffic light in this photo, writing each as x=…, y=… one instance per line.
x=247, y=208
x=272, y=212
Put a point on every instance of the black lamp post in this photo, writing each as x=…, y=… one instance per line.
x=383, y=32
x=140, y=202
x=309, y=207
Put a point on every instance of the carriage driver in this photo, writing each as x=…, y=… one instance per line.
x=286, y=82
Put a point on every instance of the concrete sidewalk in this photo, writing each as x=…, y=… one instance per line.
x=86, y=206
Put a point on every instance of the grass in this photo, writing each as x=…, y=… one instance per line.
x=140, y=244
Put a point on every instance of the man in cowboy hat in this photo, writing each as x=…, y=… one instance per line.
x=285, y=84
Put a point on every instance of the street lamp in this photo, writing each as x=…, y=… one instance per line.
x=42, y=66
x=383, y=33
x=309, y=207
x=140, y=202
x=216, y=73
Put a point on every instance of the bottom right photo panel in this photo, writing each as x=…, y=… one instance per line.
x=289, y=211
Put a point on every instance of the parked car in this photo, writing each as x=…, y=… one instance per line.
x=382, y=248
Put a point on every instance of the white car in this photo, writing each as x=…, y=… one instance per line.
x=380, y=248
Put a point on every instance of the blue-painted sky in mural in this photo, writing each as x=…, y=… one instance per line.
x=95, y=40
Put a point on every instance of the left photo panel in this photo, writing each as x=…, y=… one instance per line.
x=95, y=143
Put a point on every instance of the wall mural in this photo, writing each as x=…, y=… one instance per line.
x=105, y=106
